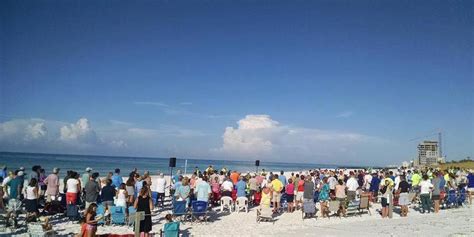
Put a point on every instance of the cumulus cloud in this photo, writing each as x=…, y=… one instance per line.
x=259, y=136
x=35, y=131
x=81, y=132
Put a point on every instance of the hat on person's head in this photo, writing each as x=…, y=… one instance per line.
x=55, y=170
x=88, y=169
x=20, y=173
x=22, y=168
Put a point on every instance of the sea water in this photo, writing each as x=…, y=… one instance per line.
x=105, y=164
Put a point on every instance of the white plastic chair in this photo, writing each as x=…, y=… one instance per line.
x=242, y=203
x=226, y=202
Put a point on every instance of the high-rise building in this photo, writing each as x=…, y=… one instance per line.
x=428, y=153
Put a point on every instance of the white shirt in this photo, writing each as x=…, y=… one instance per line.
x=332, y=182
x=397, y=182
x=227, y=186
x=160, y=185
x=368, y=180
x=72, y=185
x=425, y=186
x=352, y=184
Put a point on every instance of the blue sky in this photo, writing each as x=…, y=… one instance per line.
x=323, y=81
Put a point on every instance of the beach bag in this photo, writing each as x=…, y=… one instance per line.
x=72, y=212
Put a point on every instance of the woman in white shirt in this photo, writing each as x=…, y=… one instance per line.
x=425, y=190
x=73, y=186
x=31, y=197
x=122, y=195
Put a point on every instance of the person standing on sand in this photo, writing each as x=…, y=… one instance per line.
x=160, y=189
x=324, y=197
x=385, y=190
x=117, y=179
x=403, y=200
x=203, y=189
x=352, y=186
x=73, y=186
x=130, y=187
x=52, y=185
x=92, y=190
x=86, y=175
x=277, y=187
x=425, y=190
x=435, y=196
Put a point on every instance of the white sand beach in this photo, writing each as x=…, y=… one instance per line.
x=450, y=222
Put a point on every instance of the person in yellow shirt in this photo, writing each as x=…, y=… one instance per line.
x=277, y=186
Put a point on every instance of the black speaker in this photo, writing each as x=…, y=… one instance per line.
x=257, y=163
x=173, y=162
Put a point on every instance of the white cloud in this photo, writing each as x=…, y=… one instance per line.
x=118, y=144
x=35, y=131
x=345, y=114
x=259, y=136
x=80, y=132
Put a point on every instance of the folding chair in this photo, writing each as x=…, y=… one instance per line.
x=170, y=229
x=180, y=210
x=199, y=208
x=118, y=215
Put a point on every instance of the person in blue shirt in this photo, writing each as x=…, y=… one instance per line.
x=470, y=185
x=3, y=171
x=117, y=179
x=282, y=179
x=374, y=185
x=241, y=186
x=203, y=189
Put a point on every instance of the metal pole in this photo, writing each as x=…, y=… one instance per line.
x=137, y=224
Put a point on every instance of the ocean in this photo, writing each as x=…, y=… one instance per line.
x=105, y=164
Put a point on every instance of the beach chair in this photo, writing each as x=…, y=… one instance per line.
x=118, y=215
x=242, y=203
x=352, y=208
x=36, y=230
x=364, y=203
x=100, y=212
x=226, y=202
x=333, y=207
x=265, y=214
x=309, y=208
x=170, y=229
x=461, y=197
x=154, y=196
x=451, y=198
x=131, y=215
x=180, y=210
x=199, y=208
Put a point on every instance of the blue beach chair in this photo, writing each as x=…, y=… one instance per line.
x=117, y=215
x=199, y=208
x=131, y=215
x=170, y=230
x=179, y=209
x=100, y=211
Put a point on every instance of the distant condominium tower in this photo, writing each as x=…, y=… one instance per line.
x=428, y=153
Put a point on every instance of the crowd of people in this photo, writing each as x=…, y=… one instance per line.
x=279, y=191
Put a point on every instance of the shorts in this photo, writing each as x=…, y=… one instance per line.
x=435, y=197
x=290, y=198
x=404, y=200
x=276, y=197
x=470, y=189
x=299, y=196
x=227, y=193
x=252, y=192
x=384, y=202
